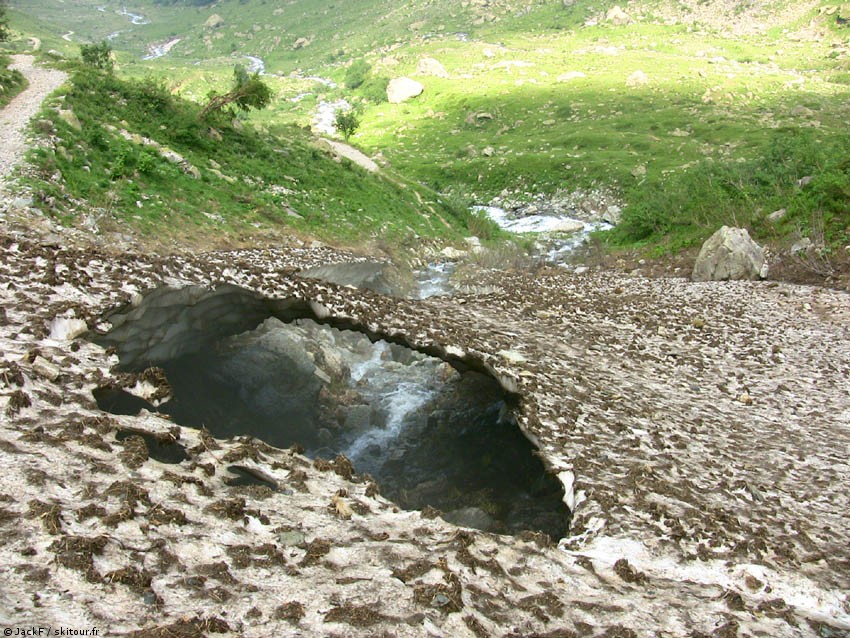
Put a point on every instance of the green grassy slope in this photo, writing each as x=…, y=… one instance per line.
x=230, y=180
x=537, y=97
x=11, y=81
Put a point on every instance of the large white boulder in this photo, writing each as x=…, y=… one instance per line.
x=402, y=89
x=730, y=253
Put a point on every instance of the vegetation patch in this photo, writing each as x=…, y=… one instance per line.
x=140, y=156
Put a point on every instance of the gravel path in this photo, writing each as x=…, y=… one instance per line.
x=349, y=152
x=14, y=118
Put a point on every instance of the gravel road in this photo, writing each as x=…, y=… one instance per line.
x=14, y=117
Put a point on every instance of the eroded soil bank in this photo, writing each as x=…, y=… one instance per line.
x=701, y=430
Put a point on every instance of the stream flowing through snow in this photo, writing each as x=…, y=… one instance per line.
x=558, y=237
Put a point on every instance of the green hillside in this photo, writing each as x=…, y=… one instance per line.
x=139, y=156
x=692, y=114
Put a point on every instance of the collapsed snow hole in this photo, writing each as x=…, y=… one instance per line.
x=430, y=435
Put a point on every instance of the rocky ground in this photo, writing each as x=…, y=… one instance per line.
x=700, y=431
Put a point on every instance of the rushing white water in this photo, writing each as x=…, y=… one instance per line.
x=555, y=226
x=256, y=65
x=135, y=18
x=326, y=112
x=160, y=50
x=324, y=81
x=434, y=280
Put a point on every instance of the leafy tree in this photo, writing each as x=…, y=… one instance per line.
x=347, y=123
x=248, y=92
x=97, y=56
x=4, y=29
x=355, y=75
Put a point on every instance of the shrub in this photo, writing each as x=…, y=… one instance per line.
x=374, y=89
x=355, y=75
x=97, y=56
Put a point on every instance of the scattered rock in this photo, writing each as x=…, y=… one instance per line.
x=729, y=254
x=430, y=66
x=617, y=16
x=637, y=79
x=70, y=118
x=46, y=369
x=402, y=89
x=571, y=75
x=215, y=21
x=801, y=246
x=300, y=43
x=777, y=215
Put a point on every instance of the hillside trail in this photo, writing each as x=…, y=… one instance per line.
x=15, y=116
x=349, y=152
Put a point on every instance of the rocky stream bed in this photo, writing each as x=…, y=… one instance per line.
x=699, y=432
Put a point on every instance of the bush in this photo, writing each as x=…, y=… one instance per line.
x=374, y=89
x=97, y=56
x=355, y=75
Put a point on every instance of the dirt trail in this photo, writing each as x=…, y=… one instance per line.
x=349, y=152
x=14, y=117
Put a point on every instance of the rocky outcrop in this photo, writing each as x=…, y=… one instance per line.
x=402, y=89
x=730, y=254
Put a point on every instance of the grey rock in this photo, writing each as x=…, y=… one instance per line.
x=473, y=517
x=637, y=79
x=801, y=245
x=70, y=118
x=291, y=538
x=777, y=215
x=402, y=89
x=214, y=22
x=729, y=254
x=430, y=66
x=365, y=275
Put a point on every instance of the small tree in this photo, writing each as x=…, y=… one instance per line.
x=248, y=92
x=97, y=56
x=347, y=123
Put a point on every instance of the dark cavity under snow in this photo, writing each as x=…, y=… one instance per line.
x=428, y=434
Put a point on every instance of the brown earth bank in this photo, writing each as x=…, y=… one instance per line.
x=700, y=431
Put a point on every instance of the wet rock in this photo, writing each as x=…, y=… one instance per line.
x=729, y=254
